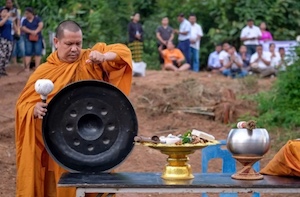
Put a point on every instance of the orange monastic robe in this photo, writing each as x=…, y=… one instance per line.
x=34, y=177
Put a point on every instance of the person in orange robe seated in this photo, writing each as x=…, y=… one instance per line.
x=173, y=58
x=37, y=173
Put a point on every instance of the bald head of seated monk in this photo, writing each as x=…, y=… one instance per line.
x=37, y=173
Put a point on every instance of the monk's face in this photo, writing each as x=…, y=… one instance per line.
x=69, y=46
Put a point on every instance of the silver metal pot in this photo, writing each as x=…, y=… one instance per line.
x=246, y=142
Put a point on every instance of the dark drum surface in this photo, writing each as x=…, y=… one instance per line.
x=89, y=127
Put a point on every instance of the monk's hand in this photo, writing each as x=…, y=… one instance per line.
x=40, y=110
x=96, y=57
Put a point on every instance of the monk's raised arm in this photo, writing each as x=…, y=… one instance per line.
x=117, y=56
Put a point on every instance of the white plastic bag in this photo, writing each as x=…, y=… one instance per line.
x=139, y=68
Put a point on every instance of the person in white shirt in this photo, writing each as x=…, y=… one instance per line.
x=275, y=56
x=184, y=34
x=260, y=63
x=284, y=61
x=224, y=53
x=213, y=63
x=196, y=34
x=250, y=35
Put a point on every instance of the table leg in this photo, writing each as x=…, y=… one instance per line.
x=80, y=192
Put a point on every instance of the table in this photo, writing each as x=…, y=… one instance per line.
x=152, y=183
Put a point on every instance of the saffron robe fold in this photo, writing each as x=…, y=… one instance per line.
x=35, y=177
x=286, y=162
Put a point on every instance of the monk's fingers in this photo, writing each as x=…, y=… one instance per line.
x=93, y=55
x=41, y=105
x=40, y=117
x=42, y=112
x=44, y=105
x=96, y=57
x=43, y=109
x=100, y=58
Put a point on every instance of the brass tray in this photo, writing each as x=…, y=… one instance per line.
x=177, y=168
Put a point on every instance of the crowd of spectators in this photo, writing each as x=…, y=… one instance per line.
x=20, y=37
x=181, y=58
x=250, y=58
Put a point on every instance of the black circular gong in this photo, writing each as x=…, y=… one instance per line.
x=89, y=127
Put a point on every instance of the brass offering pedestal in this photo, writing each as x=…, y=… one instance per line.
x=177, y=170
x=247, y=172
x=177, y=167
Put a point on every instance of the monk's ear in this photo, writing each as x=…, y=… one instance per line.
x=55, y=41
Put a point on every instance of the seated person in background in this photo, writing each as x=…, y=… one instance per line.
x=275, y=56
x=213, y=63
x=173, y=58
x=224, y=53
x=164, y=33
x=233, y=65
x=245, y=57
x=284, y=61
x=260, y=63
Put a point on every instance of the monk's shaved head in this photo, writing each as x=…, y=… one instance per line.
x=68, y=41
x=69, y=25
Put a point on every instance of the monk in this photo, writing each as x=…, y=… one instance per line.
x=37, y=172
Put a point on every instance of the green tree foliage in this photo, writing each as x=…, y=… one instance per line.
x=221, y=20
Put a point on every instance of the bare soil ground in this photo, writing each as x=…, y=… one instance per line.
x=157, y=99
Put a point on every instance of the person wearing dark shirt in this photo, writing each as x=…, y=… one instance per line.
x=6, y=39
x=18, y=44
x=135, y=32
x=164, y=34
x=14, y=16
x=32, y=26
x=245, y=57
